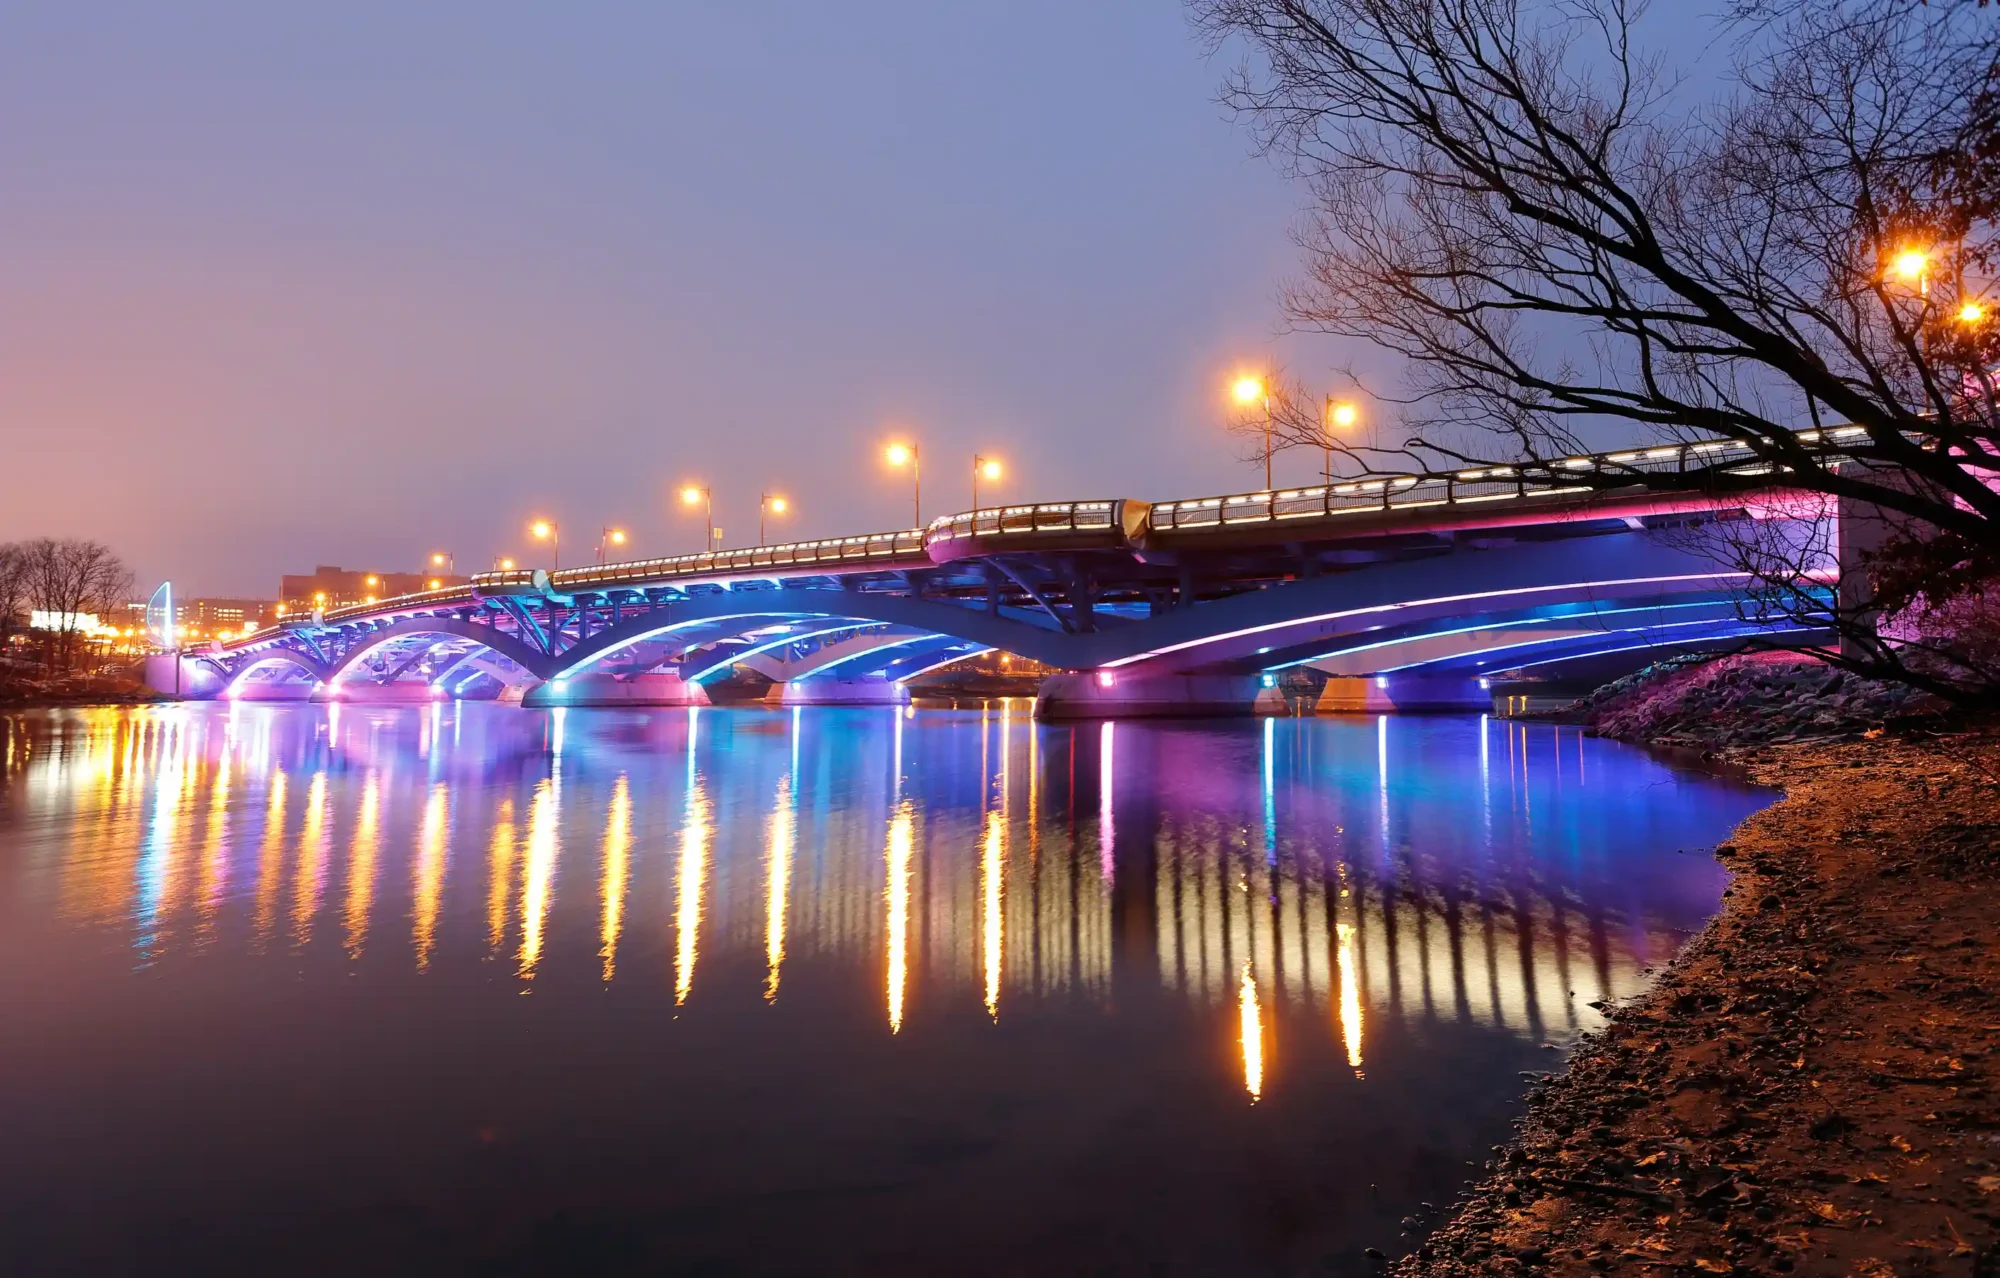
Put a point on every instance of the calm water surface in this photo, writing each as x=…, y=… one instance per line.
x=292, y=989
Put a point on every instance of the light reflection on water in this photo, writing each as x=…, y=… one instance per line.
x=1368, y=927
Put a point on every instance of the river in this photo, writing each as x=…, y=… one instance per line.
x=470, y=988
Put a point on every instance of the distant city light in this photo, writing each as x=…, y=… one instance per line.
x=85, y=622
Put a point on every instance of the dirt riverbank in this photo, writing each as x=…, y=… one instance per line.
x=1810, y=1087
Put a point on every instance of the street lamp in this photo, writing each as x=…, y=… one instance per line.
x=772, y=503
x=1913, y=266
x=1339, y=416
x=1249, y=390
x=446, y=560
x=701, y=493
x=502, y=564
x=985, y=466
x=907, y=454
x=607, y=537
x=1971, y=313
x=550, y=531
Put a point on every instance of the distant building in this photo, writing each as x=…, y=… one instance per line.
x=197, y=619
x=330, y=587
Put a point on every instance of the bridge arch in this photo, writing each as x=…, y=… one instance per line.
x=498, y=642
x=836, y=609
x=236, y=674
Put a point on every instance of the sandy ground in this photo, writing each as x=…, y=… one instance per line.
x=1809, y=1088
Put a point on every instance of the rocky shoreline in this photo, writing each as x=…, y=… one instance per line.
x=1751, y=699
x=1808, y=1087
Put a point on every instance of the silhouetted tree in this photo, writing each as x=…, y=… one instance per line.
x=13, y=592
x=1517, y=204
x=69, y=579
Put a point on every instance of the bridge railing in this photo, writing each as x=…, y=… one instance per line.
x=415, y=599
x=1046, y=517
x=1498, y=483
x=843, y=551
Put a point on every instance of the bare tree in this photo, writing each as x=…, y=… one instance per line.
x=13, y=591
x=71, y=579
x=1512, y=199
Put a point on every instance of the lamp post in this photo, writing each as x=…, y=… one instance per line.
x=693, y=493
x=986, y=466
x=607, y=537
x=770, y=503
x=899, y=454
x=1249, y=390
x=550, y=531
x=446, y=560
x=502, y=563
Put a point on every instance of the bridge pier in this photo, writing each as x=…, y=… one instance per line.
x=296, y=690
x=195, y=680
x=1112, y=694
x=366, y=692
x=845, y=692
x=654, y=689
x=1402, y=694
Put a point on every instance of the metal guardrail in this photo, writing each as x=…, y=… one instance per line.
x=415, y=599
x=1498, y=483
x=1061, y=516
x=870, y=548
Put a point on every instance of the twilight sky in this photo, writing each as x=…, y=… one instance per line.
x=296, y=284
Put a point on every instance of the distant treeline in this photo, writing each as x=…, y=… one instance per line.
x=66, y=578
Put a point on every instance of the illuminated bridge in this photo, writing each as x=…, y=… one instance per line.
x=1396, y=592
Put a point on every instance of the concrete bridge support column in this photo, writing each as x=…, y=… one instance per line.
x=845, y=692
x=655, y=689
x=1112, y=694
x=366, y=692
x=1393, y=694
x=291, y=690
x=195, y=680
